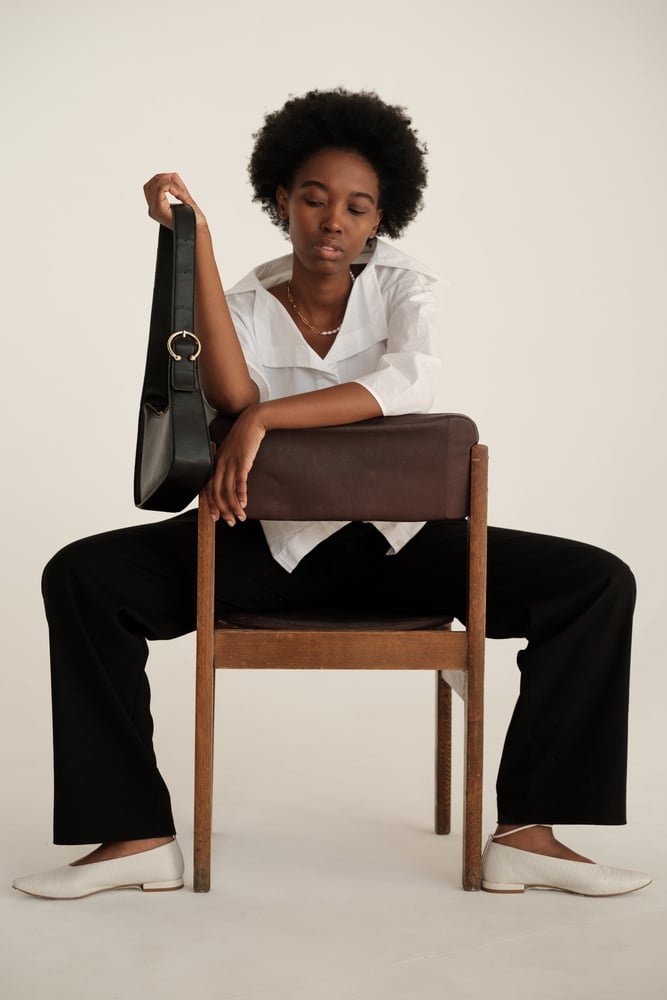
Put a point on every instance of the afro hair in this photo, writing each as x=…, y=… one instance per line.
x=339, y=119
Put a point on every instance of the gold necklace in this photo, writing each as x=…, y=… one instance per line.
x=320, y=333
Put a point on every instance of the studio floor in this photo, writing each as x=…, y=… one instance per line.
x=328, y=883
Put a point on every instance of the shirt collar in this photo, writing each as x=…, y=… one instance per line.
x=386, y=255
x=364, y=324
x=381, y=254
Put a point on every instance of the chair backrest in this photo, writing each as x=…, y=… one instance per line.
x=407, y=468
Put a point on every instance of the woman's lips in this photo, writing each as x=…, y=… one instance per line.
x=328, y=251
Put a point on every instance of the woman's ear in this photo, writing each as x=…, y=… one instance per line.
x=282, y=200
x=374, y=231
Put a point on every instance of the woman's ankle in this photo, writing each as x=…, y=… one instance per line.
x=122, y=849
x=524, y=836
x=538, y=839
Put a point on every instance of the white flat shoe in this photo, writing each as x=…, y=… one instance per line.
x=157, y=870
x=507, y=869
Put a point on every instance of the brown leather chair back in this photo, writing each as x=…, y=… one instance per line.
x=415, y=468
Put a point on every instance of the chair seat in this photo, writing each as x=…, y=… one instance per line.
x=336, y=621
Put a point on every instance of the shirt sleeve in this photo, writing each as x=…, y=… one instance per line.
x=406, y=377
x=241, y=309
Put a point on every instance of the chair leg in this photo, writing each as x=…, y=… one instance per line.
x=474, y=693
x=204, y=701
x=203, y=790
x=443, y=754
x=472, y=810
x=473, y=770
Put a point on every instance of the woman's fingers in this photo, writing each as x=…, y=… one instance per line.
x=241, y=491
x=226, y=492
x=220, y=508
x=156, y=192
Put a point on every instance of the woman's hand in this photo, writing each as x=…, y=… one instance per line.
x=155, y=192
x=227, y=489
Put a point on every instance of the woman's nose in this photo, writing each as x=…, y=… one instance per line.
x=331, y=222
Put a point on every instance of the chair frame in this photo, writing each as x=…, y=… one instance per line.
x=456, y=657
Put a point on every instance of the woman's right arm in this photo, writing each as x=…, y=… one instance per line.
x=224, y=374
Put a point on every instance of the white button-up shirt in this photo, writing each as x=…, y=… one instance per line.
x=384, y=344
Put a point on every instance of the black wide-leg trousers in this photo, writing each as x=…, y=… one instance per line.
x=564, y=759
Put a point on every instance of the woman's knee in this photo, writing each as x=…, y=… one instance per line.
x=145, y=573
x=615, y=574
x=77, y=562
x=624, y=580
x=60, y=567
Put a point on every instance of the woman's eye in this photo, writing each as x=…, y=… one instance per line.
x=315, y=204
x=357, y=211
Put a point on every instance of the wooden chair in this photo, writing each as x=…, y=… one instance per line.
x=417, y=468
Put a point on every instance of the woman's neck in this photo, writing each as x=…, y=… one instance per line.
x=320, y=293
x=317, y=306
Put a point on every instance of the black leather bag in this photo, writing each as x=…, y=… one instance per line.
x=173, y=459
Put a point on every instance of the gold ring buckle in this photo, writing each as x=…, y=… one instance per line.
x=184, y=333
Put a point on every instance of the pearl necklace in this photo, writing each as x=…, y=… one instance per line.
x=320, y=333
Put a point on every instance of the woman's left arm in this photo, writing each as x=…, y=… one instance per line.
x=226, y=491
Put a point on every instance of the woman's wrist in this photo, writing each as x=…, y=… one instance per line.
x=202, y=226
x=254, y=415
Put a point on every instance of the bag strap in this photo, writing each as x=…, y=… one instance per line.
x=171, y=340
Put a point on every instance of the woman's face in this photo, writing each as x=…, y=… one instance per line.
x=332, y=208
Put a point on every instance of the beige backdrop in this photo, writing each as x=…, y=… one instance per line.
x=545, y=213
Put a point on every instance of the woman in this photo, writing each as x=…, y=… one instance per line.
x=335, y=333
